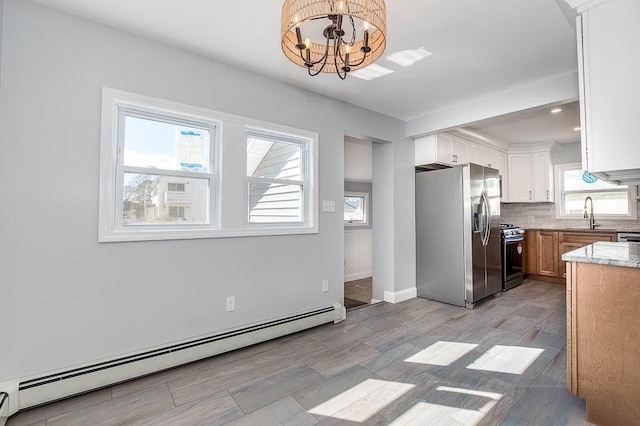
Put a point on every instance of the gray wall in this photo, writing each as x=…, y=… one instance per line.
x=567, y=153
x=67, y=299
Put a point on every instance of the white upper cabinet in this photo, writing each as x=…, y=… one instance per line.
x=609, y=60
x=442, y=148
x=478, y=154
x=530, y=175
x=499, y=161
x=542, y=176
x=520, y=178
x=450, y=149
x=459, y=151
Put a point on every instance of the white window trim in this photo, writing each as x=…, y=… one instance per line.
x=560, y=168
x=364, y=222
x=229, y=183
x=305, y=183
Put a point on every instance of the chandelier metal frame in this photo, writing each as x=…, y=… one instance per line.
x=337, y=49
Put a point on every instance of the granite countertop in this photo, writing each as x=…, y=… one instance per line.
x=579, y=229
x=606, y=253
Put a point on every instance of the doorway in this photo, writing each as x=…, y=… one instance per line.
x=358, y=222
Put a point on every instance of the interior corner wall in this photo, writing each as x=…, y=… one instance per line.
x=394, y=268
x=383, y=223
x=567, y=153
x=404, y=215
x=67, y=299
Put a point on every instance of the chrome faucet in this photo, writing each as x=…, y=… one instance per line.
x=589, y=215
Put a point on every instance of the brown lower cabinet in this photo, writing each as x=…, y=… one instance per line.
x=603, y=320
x=544, y=250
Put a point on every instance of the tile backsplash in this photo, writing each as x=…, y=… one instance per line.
x=543, y=215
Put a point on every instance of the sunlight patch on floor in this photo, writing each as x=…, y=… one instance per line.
x=424, y=413
x=442, y=353
x=506, y=359
x=362, y=401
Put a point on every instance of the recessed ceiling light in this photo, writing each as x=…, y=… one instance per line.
x=577, y=129
x=556, y=110
x=407, y=58
x=370, y=72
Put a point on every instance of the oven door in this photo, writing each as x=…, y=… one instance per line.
x=513, y=259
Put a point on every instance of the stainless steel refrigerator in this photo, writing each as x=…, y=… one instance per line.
x=458, y=234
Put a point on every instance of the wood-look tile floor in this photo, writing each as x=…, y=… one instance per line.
x=414, y=363
x=358, y=291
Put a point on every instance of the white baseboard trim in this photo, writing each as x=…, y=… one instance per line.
x=400, y=296
x=358, y=276
x=374, y=301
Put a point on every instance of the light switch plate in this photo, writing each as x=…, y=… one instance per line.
x=328, y=206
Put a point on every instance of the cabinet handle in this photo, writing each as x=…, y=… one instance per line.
x=547, y=194
x=529, y=195
x=454, y=158
x=488, y=164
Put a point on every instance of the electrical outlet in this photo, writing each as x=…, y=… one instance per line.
x=531, y=219
x=231, y=303
x=325, y=286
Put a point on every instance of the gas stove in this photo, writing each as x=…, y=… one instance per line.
x=511, y=232
x=512, y=255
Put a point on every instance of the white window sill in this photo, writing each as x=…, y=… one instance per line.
x=121, y=235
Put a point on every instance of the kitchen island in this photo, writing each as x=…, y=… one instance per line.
x=603, y=330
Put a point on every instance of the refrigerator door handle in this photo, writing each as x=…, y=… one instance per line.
x=486, y=218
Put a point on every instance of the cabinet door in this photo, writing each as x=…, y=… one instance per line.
x=542, y=176
x=611, y=66
x=482, y=155
x=472, y=151
x=458, y=151
x=520, y=177
x=500, y=162
x=565, y=248
x=443, y=154
x=547, y=252
x=425, y=150
x=531, y=252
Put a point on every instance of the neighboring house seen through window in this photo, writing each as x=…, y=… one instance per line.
x=276, y=177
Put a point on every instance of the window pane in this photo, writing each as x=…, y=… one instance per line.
x=148, y=199
x=354, y=209
x=604, y=203
x=573, y=182
x=274, y=203
x=160, y=145
x=272, y=159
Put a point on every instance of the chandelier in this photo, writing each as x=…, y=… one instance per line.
x=340, y=36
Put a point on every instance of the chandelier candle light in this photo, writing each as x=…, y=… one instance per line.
x=346, y=35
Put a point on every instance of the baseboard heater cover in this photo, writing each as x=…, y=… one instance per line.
x=46, y=388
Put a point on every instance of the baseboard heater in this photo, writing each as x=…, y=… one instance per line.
x=57, y=385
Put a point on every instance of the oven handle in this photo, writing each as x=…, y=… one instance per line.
x=513, y=240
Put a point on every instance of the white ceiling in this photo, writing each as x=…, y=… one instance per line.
x=535, y=125
x=479, y=47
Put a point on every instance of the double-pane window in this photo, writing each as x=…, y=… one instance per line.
x=164, y=173
x=276, y=178
x=174, y=171
x=609, y=200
